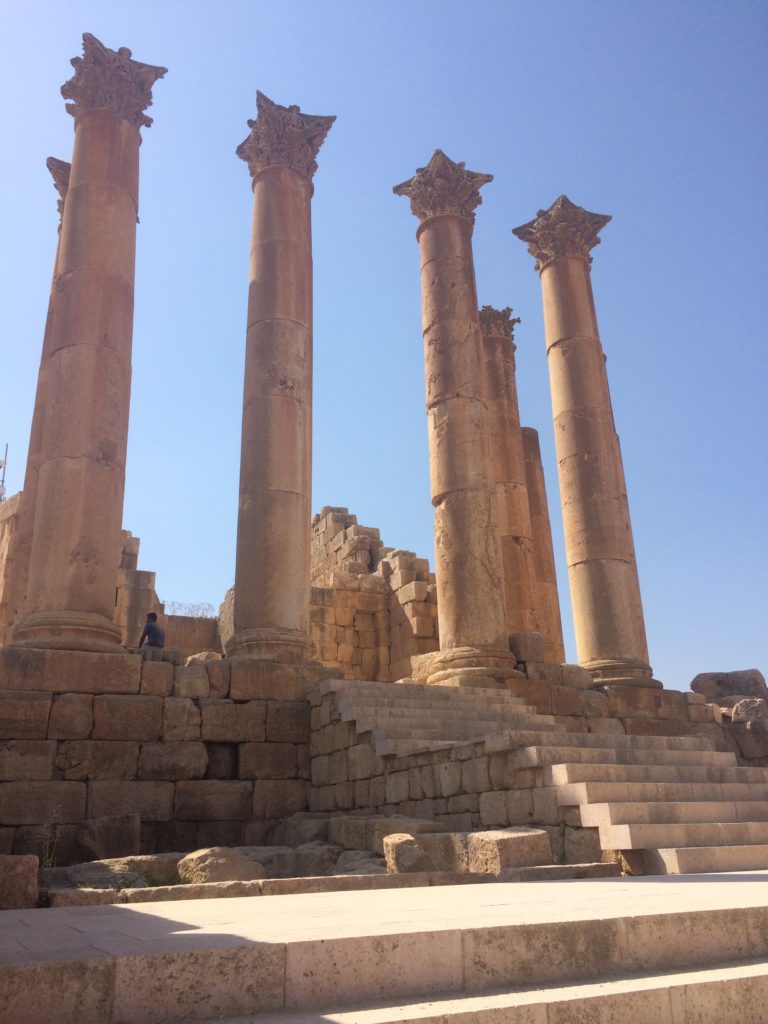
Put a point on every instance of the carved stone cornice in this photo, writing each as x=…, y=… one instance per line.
x=283, y=136
x=110, y=79
x=60, y=173
x=498, y=323
x=563, y=230
x=443, y=187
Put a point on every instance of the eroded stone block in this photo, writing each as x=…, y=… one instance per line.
x=214, y=800
x=127, y=718
x=24, y=716
x=71, y=716
x=18, y=882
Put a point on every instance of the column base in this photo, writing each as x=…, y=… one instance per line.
x=466, y=666
x=68, y=631
x=622, y=673
x=288, y=646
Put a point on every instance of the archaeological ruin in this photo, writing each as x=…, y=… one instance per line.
x=352, y=719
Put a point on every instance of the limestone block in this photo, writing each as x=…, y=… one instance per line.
x=581, y=845
x=255, y=833
x=211, y=833
x=565, y=701
x=376, y=791
x=578, y=677
x=607, y=726
x=546, y=810
x=152, y=801
x=173, y=761
x=448, y=851
x=202, y=657
x=18, y=882
x=213, y=800
x=228, y=722
x=6, y=839
x=127, y=718
x=71, y=716
x=156, y=869
x=475, y=777
x=192, y=682
x=35, y=803
x=156, y=678
x=96, y=759
x=750, y=709
x=493, y=808
x=24, y=716
x=378, y=828
x=278, y=798
x=397, y=787
x=114, y=836
x=492, y=852
x=26, y=760
x=218, y=864
x=267, y=760
x=316, y=858
x=337, y=767
x=418, y=590
x=181, y=719
x=714, y=685
x=594, y=703
x=344, y=795
x=363, y=761
x=222, y=761
x=527, y=646
x=448, y=778
x=288, y=721
x=360, y=862
x=348, y=832
x=83, y=897
x=69, y=671
x=261, y=680
x=276, y=861
x=304, y=827
x=218, y=678
x=751, y=737
x=403, y=854
x=519, y=806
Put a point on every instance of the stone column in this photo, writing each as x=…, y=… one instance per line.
x=78, y=511
x=547, y=600
x=605, y=591
x=18, y=557
x=470, y=597
x=508, y=467
x=272, y=578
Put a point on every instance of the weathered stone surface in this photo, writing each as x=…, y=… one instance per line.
x=71, y=716
x=191, y=682
x=218, y=678
x=316, y=858
x=228, y=722
x=213, y=800
x=97, y=759
x=267, y=761
x=750, y=709
x=279, y=798
x=18, y=882
x=748, y=682
x=287, y=721
x=152, y=801
x=26, y=760
x=115, y=836
x=202, y=657
x=69, y=671
x=491, y=852
x=156, y=869
x=448, y=851
x=173, y=761
x=32, y=803
x=581, y=845
x=181, y=719
x=127, y=718
x=527, y=646
x=277, y=861
x=402, y=854
x=751, y=737
x=23, y=716
x=360, y=862
x=218, y=864
x=156, y=678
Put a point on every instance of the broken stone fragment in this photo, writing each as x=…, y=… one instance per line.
x=403, y=854
x=218, y=864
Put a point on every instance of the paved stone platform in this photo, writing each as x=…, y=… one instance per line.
x=202, y=960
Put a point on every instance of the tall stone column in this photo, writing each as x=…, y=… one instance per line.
x=14, y=597
x=605, y=591
x=471, y=613
x=272, y=579
x=547, y=601
x=78, y=509
x=508, y=467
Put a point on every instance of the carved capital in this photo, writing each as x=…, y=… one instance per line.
x=284, y=136
x=443, y=187
x=110, y=79
x=498, y=323
x=562, y=230
x=60, y=173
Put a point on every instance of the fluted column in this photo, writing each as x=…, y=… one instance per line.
x=78, y=509
x=605, y=591
x=14, y=596
x=272, y=578
x=471, y=613
x=547, y=601
x=508, y=466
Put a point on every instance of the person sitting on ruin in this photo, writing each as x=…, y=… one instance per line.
x=152, y=633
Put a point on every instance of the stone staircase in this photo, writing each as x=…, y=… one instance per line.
x=669, y=804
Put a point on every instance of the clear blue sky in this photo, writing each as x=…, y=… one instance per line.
x=653, y=112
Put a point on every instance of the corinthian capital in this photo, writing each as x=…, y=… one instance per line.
x=60, y=173
x=498, y=323
x=283, y=135
x=562, y=230
x=110, y=79
x=443, y=187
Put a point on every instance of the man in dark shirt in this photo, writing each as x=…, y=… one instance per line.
x=152, y=633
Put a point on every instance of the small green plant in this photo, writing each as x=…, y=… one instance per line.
x=49, y=838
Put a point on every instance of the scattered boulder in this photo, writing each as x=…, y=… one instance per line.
x=303, y=827
x=96, y=874
x=218, y=864
x=359, y=862
x=714, y=686
x=277, y=861
x=749, y=709
x=403, y=854
x=316, y=858
x=18, y=881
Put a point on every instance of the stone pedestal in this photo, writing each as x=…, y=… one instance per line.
x=272, y=580
x=78, y=508
x=547, y=601
x=508, y=468
x=607, y=610
x=471, y=613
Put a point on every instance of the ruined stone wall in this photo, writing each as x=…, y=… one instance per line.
x=9, y=517
x=191, y=634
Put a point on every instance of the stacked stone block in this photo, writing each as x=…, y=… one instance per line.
x=340, y=543
x=349, y=625
x=412, y=609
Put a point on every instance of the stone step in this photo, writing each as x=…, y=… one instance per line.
x=403, y=748
x=539, y=755
x=666, y=836
x=700, y=859
x=415, y=729
x=413, y=708
x=562, y=774
x=729, y=994
x=575, y=793
x=393, y=697
x=506, y=740
x=673, y=812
